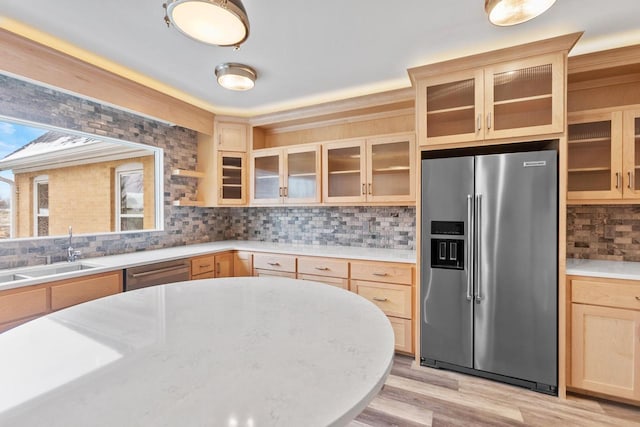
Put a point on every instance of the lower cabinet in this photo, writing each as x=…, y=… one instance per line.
x=212, y=266
x=605, y=337
x=274, y=265
x=334, y=272
x=242, y=264
x=20, y=305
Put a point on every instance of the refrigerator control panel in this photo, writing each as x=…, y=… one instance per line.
x=451, y=228
x=447, y=253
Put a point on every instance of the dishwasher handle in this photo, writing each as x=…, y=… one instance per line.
x=158, y=271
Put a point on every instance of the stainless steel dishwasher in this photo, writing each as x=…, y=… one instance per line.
x=157, y=274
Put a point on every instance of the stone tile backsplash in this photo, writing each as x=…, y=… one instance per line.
x=604, y=232
x=383, y=227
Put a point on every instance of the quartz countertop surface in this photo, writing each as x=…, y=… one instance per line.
x=220, y=352
x=133, y=259
x=600, y=268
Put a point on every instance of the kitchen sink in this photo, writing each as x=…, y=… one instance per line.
x=50, y=270
x=4, y=278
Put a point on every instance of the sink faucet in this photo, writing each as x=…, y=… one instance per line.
x=71, y=254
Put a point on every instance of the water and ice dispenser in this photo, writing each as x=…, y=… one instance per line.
x=447, y=252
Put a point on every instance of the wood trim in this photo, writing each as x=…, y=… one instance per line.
x=629, y=171
x=25, y=58
x=603, y=82
x=556, y=44
x=604, y=59
x=351, y=105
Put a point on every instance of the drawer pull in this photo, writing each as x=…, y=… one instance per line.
x=380, y=274
x=322, y=268
x=273, y=263
x=205, y=265
x=638, y=298
x=379, y=299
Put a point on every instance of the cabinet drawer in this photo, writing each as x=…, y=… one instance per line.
x=600, y=292
x=85, y=289
x=394, y=300
x=203, y=264
x=324, y=267
x=275, y=262
x=333, y=281
x=272, y=273
x=382, y=272
x=402, y=333
x=207, y=275
x=22, y=304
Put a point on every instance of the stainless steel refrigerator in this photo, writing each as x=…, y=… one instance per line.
x=489, y=266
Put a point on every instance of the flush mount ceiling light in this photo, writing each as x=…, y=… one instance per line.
x=512, y=12
x=216, y=22
x=234, y=76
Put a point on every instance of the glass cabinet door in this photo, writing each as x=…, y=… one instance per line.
x=450, y=108
x=391, y=169
x=343, y=173
x=267, y=185
x=302, y=175
x=524, y=98
x=595, y=157
x=631, y=154
x=231, y=173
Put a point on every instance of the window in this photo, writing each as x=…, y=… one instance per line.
x=41, y=205
x=129, y=197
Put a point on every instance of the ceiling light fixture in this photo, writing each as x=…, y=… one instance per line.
x=512, y=12
x=235, y=76
x=216, y=22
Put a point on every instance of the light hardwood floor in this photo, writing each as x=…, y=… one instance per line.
x=432, y=397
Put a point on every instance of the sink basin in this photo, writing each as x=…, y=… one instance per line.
x=54, y=269
x=4, y=278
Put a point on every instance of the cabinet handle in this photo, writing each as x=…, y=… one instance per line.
x=379, y=274
x=370, y=191
x=479, y=122
x=322, y=268
x=280, y=192
x=273, y=263
x=489, y=121
x=617, y=180
x=217, y=268
x=286, y=191
x=364, y=189
x=219, y=139
x=630, y=183
x=205, y=265
x=379, y=299
x=638, y=298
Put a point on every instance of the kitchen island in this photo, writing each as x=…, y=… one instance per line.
x=236, y=352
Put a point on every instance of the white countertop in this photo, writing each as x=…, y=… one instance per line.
x=221, y=352
x=116, y=262
x=599, y=268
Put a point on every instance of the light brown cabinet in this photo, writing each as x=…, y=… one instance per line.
x=242, y=264
x=212, y=266
x=20, y=305
x=373, y=170
x=604, y=157
x=505, y=100
x=286, y=175
x=391, y=287
x=332, y=271
x=274, y=265
x=605, y=336
x=230, y=136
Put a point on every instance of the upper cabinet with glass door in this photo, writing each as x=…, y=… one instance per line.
x=286, y=175
x=375, y=170
x=506, y=100
x=604, y=157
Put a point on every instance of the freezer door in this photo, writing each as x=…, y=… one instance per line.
x=446, y=330
x=517, y=284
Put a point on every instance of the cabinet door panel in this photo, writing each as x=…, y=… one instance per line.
x=231, y=136
x=525, y=97
x=266, y=177
x=595, y=156
x=243, y=264
x=22, y=304
x=224, y=265
x=333, y=281
x=302, y=166
x=605, y=350
x=391, y=169
x=232, y=178
x=394, y=300
x=450, y=108
x=344, y=178
x=80, y=290
x=631, y=154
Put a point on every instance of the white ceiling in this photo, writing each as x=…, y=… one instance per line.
x=306, y=51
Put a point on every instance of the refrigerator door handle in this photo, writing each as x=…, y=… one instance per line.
x=470, y=242
x=478, y=254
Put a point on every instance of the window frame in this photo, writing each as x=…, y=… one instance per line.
x=40, y=179
x=124, y=170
